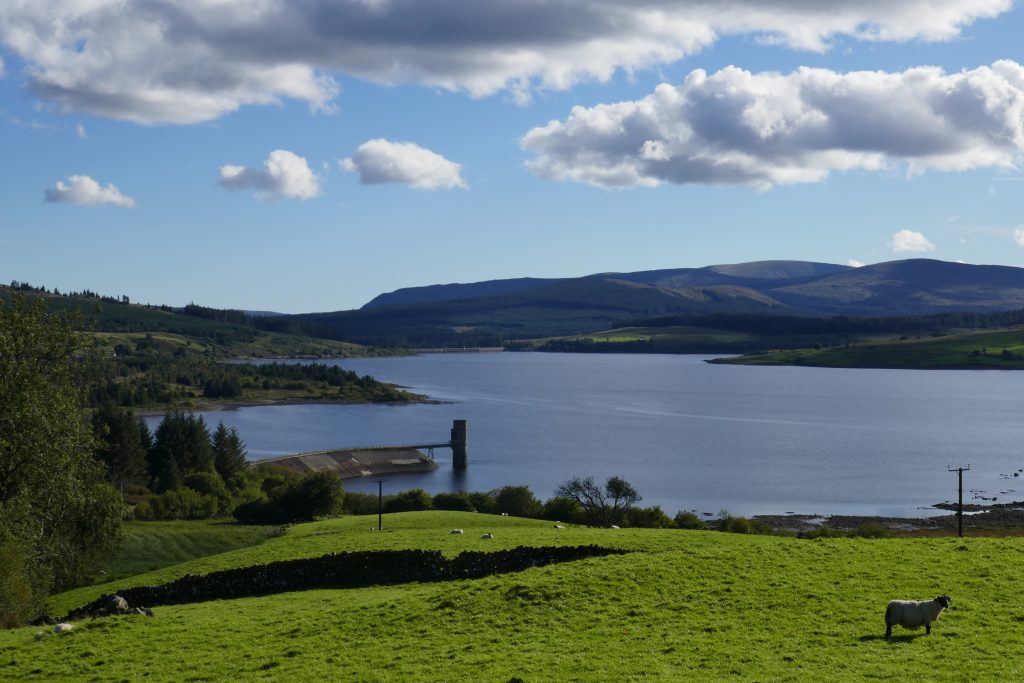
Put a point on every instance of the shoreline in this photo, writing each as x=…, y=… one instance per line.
x=218, y=406
x=1000, y=517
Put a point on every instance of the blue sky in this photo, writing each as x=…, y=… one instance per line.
x=224, y=134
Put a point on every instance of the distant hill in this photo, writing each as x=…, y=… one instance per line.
x=489, y=313
x=473, y=290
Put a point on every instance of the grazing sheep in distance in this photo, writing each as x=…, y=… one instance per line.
x=456, y=531
x=61, y=629
x=487, y=536
x=559, y=526
x=914, y=614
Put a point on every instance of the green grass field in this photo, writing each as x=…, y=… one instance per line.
x=970, y=350
x=688, y=605
x=148, y=546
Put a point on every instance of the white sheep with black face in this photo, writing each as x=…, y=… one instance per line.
x=914, y=614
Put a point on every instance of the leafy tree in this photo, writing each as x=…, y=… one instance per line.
x=517, y=501
x=601, y=506
x=56, y=510
x=229, y=456
x=121, y=445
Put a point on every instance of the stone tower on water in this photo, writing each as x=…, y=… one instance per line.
x=460, y=444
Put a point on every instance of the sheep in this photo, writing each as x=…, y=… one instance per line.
x=61, y=629
x=456, y=531
x=487, y=536
x=559, y=526
x=914, y=614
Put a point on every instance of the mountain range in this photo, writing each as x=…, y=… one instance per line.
x=495, y=310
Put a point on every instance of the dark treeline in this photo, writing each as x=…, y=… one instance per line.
x=781, y=324
x=150, y=372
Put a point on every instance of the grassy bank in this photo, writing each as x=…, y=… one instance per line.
x=988, y=350
x=688, y=606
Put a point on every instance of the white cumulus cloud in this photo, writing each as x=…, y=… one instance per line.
x=908, y=240
x=283, y=175
x=763, y=129
x=185, y=61
x=382, y=161
x=1018, y=236
x=854, y=263
x=83, y=190
x=81, y=132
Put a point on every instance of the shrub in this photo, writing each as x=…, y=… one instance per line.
x=210, y=484
x=459, y=502
x=183, y=503
x=560, y=509
x=318, y=495
x=356, y=503
x=822, y=532
x=649, y=518
x=483, y=502
x=689, y=520
x=870, y=531
x=742, y=525
x=517, y=501
x=408, y=501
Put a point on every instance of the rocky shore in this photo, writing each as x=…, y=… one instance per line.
x=1001, y=518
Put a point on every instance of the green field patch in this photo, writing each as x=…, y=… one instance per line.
x=690, y=606
x=1001, y=349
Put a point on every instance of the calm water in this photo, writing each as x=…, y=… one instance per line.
x=686, y=434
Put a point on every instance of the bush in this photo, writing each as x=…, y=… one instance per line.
x=318, y=495
x=483, y=502
x=301, y=500
x=822, y=532
x=210, y=484
x=649, y=518
x=742, y=525
x=517, y=501
x=356, y=503
x=689, y=520
x=458, y=502
x=183, y=503
x=559, y=509
x=408, y=501
x=870, y=531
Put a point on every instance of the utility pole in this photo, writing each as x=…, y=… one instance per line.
x=960, y=505
x=380, y=505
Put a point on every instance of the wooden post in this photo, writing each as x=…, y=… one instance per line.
x=380, y=504
x=960, y=504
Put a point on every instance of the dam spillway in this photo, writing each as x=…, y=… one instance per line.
x=352, y=463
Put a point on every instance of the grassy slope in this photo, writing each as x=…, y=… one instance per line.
x=948, y=352
x=693, y=606
x=148, y=546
